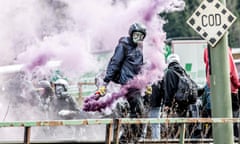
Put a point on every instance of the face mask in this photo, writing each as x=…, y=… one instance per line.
x=59, y=89
x=137, y=37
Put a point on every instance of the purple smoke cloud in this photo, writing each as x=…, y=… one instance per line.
x=153, y=53
x=36, y=32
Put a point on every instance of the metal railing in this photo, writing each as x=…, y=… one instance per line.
x=113, y=125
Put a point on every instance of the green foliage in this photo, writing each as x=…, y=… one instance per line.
x=176, y=25
x=234, y=31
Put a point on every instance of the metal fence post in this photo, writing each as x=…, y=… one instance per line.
x=182, y=133
x=108, y=134
x=116, y=123
x=27, y=131
x=238, y=133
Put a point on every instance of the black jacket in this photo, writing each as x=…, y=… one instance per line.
x=157, y=94
x=171, y=82
x=126, y=61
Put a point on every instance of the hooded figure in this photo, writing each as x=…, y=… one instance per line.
x=124, y=65
x=171, y=80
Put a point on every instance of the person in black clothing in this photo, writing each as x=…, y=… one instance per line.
x=171, y=85
x=153, y=104
x=64, y=104
x=124, y=65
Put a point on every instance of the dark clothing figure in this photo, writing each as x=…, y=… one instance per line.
x=155, y=99
x=124, y=65
x=206, y=101
x=64, y=104
x=171, y=87
x=157, y=94
x=126, y=62
x=206, y=112
x=152, y=105
x=132, y=132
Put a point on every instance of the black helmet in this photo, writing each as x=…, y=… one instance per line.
x=137, y=27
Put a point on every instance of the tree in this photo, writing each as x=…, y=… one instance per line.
x=176, y=25
x=234, y=31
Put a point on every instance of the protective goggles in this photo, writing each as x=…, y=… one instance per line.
x=137, y=36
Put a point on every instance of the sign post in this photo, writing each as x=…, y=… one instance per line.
x=212, y=20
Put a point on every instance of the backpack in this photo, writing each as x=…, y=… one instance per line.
x=187, y=91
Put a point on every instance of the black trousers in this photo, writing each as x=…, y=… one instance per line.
x=235, y=111
x=132, y=132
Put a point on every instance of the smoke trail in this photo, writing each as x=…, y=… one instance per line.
x=93, y=103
